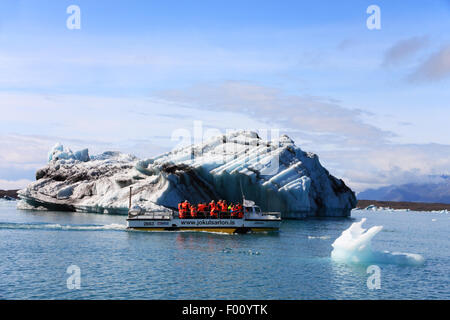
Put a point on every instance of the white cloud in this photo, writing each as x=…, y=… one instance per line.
x=321, y=116
x=435, y=68
x=361, y=153
x=13, y=185
x=389, y=164
x=404, y=49
x=349, y=147
x=26, y=152
x=32, y=123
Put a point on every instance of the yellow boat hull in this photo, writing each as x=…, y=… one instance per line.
x=213, y=230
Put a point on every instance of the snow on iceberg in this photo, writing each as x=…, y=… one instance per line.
x=58, y=152
x=275, y=174
x=354, y=246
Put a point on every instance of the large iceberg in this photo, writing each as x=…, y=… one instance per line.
x=276, y=174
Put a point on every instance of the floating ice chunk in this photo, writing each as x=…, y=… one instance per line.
x=319, y=237
x=354, y=246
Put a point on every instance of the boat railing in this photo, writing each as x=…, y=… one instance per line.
x=207, y=215
x=171, y=214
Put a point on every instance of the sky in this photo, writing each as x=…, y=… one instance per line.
x=372, y=103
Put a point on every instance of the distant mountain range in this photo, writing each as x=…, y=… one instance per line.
x=437, y=191
x=8, y=194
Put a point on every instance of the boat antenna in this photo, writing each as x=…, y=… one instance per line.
x=242, y=191
x=129, y=199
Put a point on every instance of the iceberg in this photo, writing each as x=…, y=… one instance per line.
x=276, y=174
x=354, y=246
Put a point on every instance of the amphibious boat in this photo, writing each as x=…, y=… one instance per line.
x=253, y=220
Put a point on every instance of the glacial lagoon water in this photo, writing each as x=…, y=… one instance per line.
x=37, y=247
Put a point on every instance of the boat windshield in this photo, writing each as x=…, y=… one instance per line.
x=250, y=209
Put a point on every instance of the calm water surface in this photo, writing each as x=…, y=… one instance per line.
x=37, y=247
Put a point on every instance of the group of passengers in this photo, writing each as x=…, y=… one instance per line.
x=213, y=210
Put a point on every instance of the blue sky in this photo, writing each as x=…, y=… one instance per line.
x=373, y=104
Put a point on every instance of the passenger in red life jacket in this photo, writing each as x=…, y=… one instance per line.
x=185, y=208
x=201, y=208
x=214, y=209
x=211, y=205
x=223, y=208
x=234, y=211
x=240, y=211
x=180, y=210
x=218, y=207
x=193, y=212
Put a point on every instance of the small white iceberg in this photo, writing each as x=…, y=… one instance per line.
x=354, y=246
